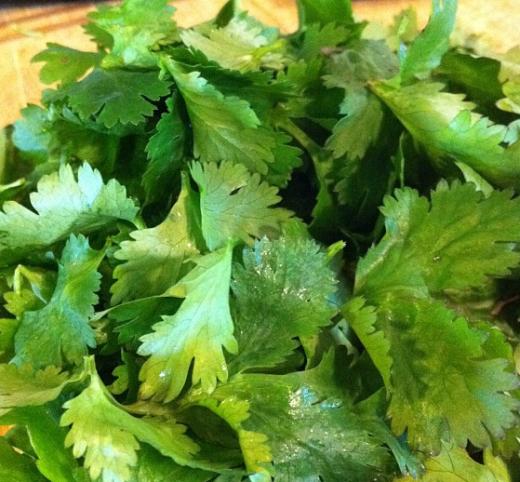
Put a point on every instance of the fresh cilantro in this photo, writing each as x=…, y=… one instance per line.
x=274, y=270
x=154, y=257
x=111, y=426
x=240, y=45
x=235, y=204
x=135, y=28
x=64, y=64
x=62, y=325
x=199, y=331
x=426, y=51
x=230, y=253
x=63, y=206
x=115, y=96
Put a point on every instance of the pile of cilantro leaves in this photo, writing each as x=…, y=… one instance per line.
x=229, y=254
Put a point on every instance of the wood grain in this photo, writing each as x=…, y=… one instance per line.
x=25, y=31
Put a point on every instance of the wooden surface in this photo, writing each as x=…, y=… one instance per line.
x=24, y=31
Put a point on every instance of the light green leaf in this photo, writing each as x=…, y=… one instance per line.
x=448, y=129
x=153, y=259
x=64, y=64
x=450, y=245
x=59, y=333
x=363, y=318
x=431, y=403
x=136, y=27
x=63, y=206
x=235, y=205
x=198, y=332
x=107, y=436
x=426, y=51
x=23, y=386
x=240, y=45
x=456, y=465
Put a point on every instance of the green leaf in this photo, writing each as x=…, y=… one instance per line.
x=153, y=467
x=432, y=404
x=137, y=27
x=23, y=386
x=153, y=259
x=313, y=428
x=29, y=136
x=63, y=206
x=59, y=333
x=319, y=39
x=478, y=76
x=115, y=96
x=17, y=467
x=510, y=78
x=279, y=298
x=426, y=51
x=241, y=45
x=47, y=439
x=198, y=332
x=32, y=290
x=363, y=320
x=450, y=245
x=455, y=465
x=448, y=129
x=224, y=127
x=107, y=436
x=235, y=205
x=64, y=64
x=165, y=151
x=325, y=11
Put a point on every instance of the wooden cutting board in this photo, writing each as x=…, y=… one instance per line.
x=24, y=31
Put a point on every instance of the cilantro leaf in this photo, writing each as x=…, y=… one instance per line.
x=363, y=320
x=103, y=432
x=449, y=245
x=54, y=461
x=324, y=11
x=62, y=326
x=240, y=45
x=63, y=205
x=426, y=51
x=154, y=257
x=454, y=464
x=224, y=127
x=429, y=251
x=199, y=331
x=136, y=27
x=278, y=300
x=16, y=466
x=32, y=290
x=362, y=61
x=23, y=386
x=319, y=39
x=432, y=404
x=64, y=64
x=165, y=151
x=115, y=96
x=234, y=204
x=153, y=467
x=309, y=422
x=447, y=128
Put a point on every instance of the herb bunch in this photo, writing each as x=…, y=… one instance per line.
x=232, y=254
